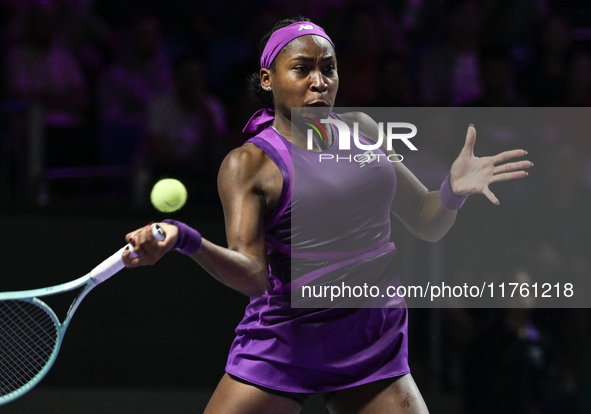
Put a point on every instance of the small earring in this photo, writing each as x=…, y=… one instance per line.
x=268, y=88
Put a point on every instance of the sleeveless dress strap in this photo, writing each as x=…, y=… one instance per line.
x=270, y=142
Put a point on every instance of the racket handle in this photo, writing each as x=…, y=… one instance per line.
x=157, y=232
x=115, y=263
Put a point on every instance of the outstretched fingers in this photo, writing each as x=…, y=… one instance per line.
x=489, y=194
x=507, y=155
x=510, y=171
x=508, y=176
x=468, y=149
x=512, y=166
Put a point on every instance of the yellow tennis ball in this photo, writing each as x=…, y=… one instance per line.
x=168, y=195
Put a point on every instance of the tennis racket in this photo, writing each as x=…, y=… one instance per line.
x=31, y=333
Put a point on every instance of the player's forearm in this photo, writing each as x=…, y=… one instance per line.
x=434, y=220
x=247, y=275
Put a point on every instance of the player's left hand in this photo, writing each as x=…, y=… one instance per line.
x=473, y=175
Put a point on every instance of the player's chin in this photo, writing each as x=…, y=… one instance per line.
x=316, y=112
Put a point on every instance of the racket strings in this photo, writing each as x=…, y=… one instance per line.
x=28, y=336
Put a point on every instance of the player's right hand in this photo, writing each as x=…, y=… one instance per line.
x=147, y=250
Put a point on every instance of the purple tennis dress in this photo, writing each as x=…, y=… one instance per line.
x=317, y=350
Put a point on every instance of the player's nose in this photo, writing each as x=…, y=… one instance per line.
x=317, y=81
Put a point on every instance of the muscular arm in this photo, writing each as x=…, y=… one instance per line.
x=249, y=185
x=419, y=209
x=243, y=264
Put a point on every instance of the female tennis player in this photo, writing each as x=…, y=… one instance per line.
x=356, y=358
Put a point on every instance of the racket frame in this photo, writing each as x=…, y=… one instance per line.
x=99, y=274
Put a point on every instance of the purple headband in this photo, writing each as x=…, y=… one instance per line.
x=264, y=117
x=286, y=34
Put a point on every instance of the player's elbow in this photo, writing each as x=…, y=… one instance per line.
x=431, y=230
x=257, y=288
x=256, y=281
x=433, y=238
x=429, y=235
x=255, y=293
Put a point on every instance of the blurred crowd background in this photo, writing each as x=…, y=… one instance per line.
x=100, y=98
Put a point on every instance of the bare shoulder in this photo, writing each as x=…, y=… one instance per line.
x=248, y=171
x=243, y=163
